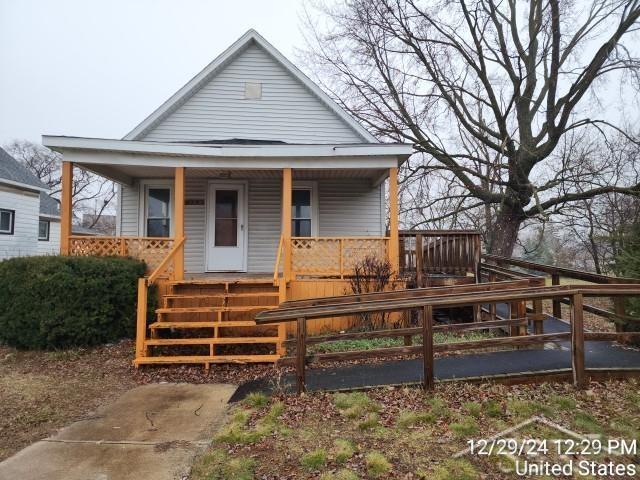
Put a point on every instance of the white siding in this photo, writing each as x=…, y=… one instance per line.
x=129, y=197
x=24, y=240
x=51, y=246
x=350, y=207
x=287, y=111
x=265, y=198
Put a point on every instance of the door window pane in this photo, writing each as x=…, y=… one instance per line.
x=226, y=218
x=158, y=212
x=301, y=213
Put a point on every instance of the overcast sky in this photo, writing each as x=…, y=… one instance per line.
x=97, y=68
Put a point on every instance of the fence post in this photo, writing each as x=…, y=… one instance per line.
x=557, y=306
x=427, y=345
x=577, y=342
x=301, y=354
x=141, y=319
x=419, y=265
x=538, y=318
x=492, y=306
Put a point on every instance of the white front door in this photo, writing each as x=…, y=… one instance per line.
x=226, y=227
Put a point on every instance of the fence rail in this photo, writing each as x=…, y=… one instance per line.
x=427, y=302
x=424, y=252
x=333, y=256
x=152, y=250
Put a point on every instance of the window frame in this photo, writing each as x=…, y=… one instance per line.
x=313, y=188
x=11, y=230
x=145, y=185
x=48, y=223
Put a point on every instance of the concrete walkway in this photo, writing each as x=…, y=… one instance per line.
x=151, y=432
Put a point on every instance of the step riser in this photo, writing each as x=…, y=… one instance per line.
x=221, y=302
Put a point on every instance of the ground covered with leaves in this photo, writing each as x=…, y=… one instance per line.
x=41, y=392
x=405, y=433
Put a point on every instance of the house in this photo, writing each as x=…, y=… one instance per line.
x=29, y=217
x=248, y=187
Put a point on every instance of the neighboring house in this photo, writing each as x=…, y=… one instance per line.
x=29, y=217
x=251, y=163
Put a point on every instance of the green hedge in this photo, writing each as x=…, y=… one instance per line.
x=59, y=302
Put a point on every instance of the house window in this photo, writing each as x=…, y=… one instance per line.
x=301, y=212
x=7, y=218
x=43, y=230
x=158, y=212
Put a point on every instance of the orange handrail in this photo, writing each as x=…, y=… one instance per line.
x=165, y=263
x=276, y=268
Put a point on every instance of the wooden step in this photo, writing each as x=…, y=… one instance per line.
x=231, y=323
x=247, y=308
x=210, y=341
x=206, y=359
x=215, y=282
x=220, y=295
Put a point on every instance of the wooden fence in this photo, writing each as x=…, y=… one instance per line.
x=453, y=252
x=426, y=301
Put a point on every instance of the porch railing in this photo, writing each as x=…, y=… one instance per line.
x=333, y=256
x=152, y=250
x=439, y=251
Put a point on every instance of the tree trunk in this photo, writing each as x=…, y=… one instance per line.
x=504, y=231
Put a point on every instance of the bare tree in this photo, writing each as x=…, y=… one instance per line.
x=485, y=89
x=90, y=193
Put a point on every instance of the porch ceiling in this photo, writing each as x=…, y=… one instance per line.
x=126, y=174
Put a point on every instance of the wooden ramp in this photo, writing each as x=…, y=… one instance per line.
x=205, y=321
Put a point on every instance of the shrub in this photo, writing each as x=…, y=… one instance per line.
x=56, y=302
x=371, y=274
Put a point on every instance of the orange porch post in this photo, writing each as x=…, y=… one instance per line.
x=178, y=205
x=394, y=240
x=66, y=207
x=286, y=220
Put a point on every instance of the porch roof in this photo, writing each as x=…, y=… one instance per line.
x=123, y=160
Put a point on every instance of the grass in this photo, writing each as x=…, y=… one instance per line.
x=355, y=404
x=342, y=474
x=408, y=419
x=377, y=464
x=464, y=427
x=256, y=400
x=455, y=469
x=237, y=431
x=343, y=450
x=374, y=343
x=218, y=465
x=314, y=460
x=412, y=435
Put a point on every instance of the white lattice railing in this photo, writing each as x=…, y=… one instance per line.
x=333, y=256
x=152, y=250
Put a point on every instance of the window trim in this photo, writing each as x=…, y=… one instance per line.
x=313, y=187
x=13, y=221
x=145, y=185
x=44, y=239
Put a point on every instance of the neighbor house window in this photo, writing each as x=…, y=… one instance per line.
x=301, y=212
x=7, y=218
x=158, y=212
x=43, y=230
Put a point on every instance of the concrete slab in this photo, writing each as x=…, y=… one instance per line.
x=153, y=431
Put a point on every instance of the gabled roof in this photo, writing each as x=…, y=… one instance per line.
x=13, y=172
x=49, y=206
x=219, y=63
